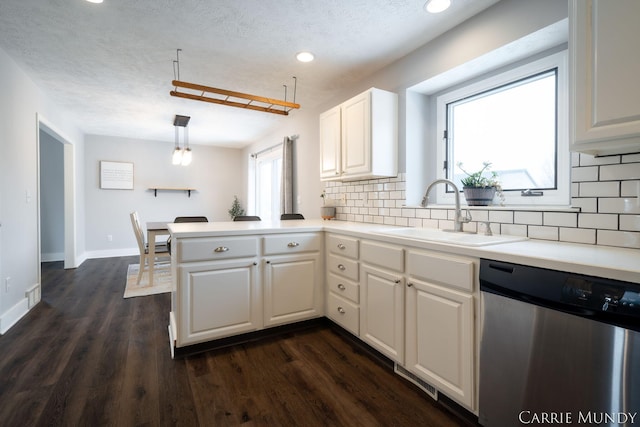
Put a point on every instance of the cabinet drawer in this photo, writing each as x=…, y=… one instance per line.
x=449, y=270
x=344, y=313
x=214, y=248
x=344, y=287
x=382, y=255
x=342, y=245
x=292, y=243
x=343, y=266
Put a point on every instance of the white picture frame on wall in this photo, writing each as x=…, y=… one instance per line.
x=116, y=175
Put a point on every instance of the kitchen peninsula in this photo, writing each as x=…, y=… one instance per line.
x=232, y=278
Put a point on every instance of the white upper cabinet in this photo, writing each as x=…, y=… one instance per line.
x=605, y=66
x=330, y=136
x=359, y=138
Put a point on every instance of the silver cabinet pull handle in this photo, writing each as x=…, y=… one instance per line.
x=341, y=310
x=397, y=281
x=341, y=287
x=341, y=267
x=221, y=249
x=409, y=284
x=341, y=246
x=293, y=244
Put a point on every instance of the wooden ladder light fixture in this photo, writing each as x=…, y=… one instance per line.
x=228, y=97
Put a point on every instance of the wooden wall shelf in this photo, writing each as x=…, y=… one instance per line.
x=156, y=189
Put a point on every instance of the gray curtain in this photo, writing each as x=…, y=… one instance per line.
x=287, y=190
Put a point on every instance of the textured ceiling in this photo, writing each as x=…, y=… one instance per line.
x=110, y=65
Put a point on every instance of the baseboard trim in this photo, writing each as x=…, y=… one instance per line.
x=111, y=253
x=13, y=315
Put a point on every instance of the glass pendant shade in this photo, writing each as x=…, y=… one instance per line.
x=186, y=157
x=177, y=156
x=181, y=156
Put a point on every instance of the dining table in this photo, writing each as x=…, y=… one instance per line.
x=154, y=229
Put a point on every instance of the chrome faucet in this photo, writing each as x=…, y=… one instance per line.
x=459, y=219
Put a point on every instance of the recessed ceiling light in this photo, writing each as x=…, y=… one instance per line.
x=305, y=56
x=437, y=6
x=94, y=1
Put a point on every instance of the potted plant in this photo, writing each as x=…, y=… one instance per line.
x=478, y=189
x=236, y=209
x=327, y=211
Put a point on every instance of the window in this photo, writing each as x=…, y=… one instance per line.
x=517, y=121
x=268, y=176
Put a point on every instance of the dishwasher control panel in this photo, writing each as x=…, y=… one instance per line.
x=589, y=293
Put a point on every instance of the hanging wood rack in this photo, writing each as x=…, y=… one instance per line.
x=230, y=98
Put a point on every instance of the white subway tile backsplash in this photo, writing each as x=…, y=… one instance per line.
x=578, y=235
x=630, y=205
x=630, y=222
x=600, y=221
x=620, y=172
x=630, y=188
x=599, y=189
x=513, y=229
x=589, y=173
x=524, y=217
x=543, y=233
x=586, y=204
x=501, y=216
x=605, y=189
x=480, y=215
x=560, y=219
x=631, y=158
x=439, y=214
x=624, y=239
x=587, y=160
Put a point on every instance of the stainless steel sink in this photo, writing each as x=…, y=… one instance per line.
x=453, y=238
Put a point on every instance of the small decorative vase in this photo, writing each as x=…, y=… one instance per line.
x=479, y=196
x=328, y=212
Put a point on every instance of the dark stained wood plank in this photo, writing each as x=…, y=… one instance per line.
x=86, y=356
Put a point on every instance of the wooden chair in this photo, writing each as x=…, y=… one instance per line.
x=291, y=216
x=145, y=262
x=246, y=218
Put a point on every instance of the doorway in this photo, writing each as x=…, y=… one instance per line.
x=56, y=196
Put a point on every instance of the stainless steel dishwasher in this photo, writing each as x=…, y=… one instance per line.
x=557, y=348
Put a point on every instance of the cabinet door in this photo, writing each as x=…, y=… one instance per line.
x=330, y=136
x=604, y=75
x=218, y=299
x=382, y=311
x=292, y=289
x=439, y=347
x=356, y=135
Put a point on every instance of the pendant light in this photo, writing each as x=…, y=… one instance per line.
x=182, y=156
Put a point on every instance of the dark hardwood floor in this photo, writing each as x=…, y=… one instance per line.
x=85, y=356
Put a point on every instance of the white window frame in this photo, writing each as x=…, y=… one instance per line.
x=271, y=156
x=557, y=197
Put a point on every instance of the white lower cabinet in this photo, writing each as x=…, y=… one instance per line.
x=217, y=299
x=227, y=285
x=440, y=331
x=382, y=311
x=343, y=288
x=292, y=289
x=382, y=298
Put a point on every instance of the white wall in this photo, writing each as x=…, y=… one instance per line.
x=20, y=105
x=51, y=198
x=215, y=172
x=494, y=29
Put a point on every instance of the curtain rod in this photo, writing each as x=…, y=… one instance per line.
x=254, y=155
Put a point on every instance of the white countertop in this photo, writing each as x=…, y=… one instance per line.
x=602, y=261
